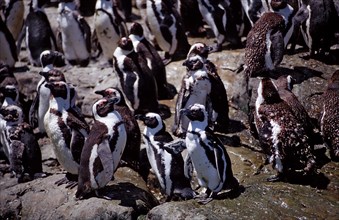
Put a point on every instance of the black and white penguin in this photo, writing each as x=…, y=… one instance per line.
x=103, y=148
x=281, y=134
x=136, y=79
x=75, y=35
x=218, y=93
x=11, y=95
x=145, y=49
x=19, y=143
x=265, y=44
x=168, y=168
x=14, y=16
x=66, y=129
x=329, y=120
x=109, y=27
x=215, y=15
x=37, y=32
x=133, y=156
x=195, y=88
x=208, y=155
x=164, y=23
x=317, y=20
x=8, y=53
x=86, y=8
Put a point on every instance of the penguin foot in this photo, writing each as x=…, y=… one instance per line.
x=215, y=48
x=70, y=180
x=276, y=178
x=203, y=198
x=167, y=59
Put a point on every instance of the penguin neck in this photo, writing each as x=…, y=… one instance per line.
x=110, y=119
x=153, y=131
x=197, y=126
x=260, y=99
x=136, y=40
x=10, y=101
x=47, y=68
x=120, y=52
x=59, y=104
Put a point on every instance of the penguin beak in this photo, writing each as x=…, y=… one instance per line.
x=112, y=100
x=140, y=117
x=100, y=92
x=44, y=74
x=184, y=111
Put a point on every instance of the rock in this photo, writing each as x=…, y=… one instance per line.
x=42, y=199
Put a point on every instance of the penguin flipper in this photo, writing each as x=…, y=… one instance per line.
x=175, y=147
x=32, y=117
x=105, y=173
x=301, y=15
x=85, y=28
x=277, y=48
x=21, y=37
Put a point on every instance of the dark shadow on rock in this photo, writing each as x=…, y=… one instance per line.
x=235, y=126
x=233, y=141
x=128, y=193
x=319, y=180
x=321, y=158
x=232, y=194
x=299, y=73
x=329, y=59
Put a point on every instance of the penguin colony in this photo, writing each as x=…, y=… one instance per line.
x=90, y=154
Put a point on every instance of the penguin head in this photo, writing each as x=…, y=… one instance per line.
x=278, y=4
x=269, y=21
x=50, y=57
x=333, y=82
x=198, y=49
x=196, y=112
x=268, y=91
x=194, y=63
x=12, y=114
x=126, y=45
x=59, y=89
x=113, y=92
x=285, y=82
x=152, y=121
x=103, y=106
x=10, y=91
x=136, y=29
x=53, y=75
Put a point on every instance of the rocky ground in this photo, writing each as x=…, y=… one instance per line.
x=316, y=198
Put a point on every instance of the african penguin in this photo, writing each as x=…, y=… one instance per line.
x=133, y=156
x=145, y=49
x=109, y=27
x=281, y=135
x=208, y=155
x=329, y=123
x=75, y=35
x=164, y=23
x=10, y=94
x=8, y=53
x=136, y=79
x=103, y=148
x=66, y=129
x=6, y=78
x=37, y=33
x=168, y=168
x=215, y=14
x=14, y=16
x=195, y=88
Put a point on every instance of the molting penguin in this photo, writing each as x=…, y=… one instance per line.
x=14, y=16
x=102, y=149
x=136, y=79
x=195, y=88
x=168, y=168
x=109, y=27
x=75, y=35
x=20, y=145
x=265, y=44
x=145, y=49
x=281, y=134
x=132, y=155
x=329, y=122
x=208, y=155
x=215, y=15
x=38, y=33
x=8, y=52
x=66, y=129
x=164, y=22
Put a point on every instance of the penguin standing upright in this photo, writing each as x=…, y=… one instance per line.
x=136, y=78
x=66, y=129
x=14, y=16
x=164, y=23
x=37, y=32
x=281, y=134
x=145, y=49
x=132, y=155
x=19, y=144
x=103, y=148
x=168, y=168
x=195, y=88
x=8, y=53
x=329, y=120
x=75, y=35
x=208, y=155
x=215, y=15
x=109, y=27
